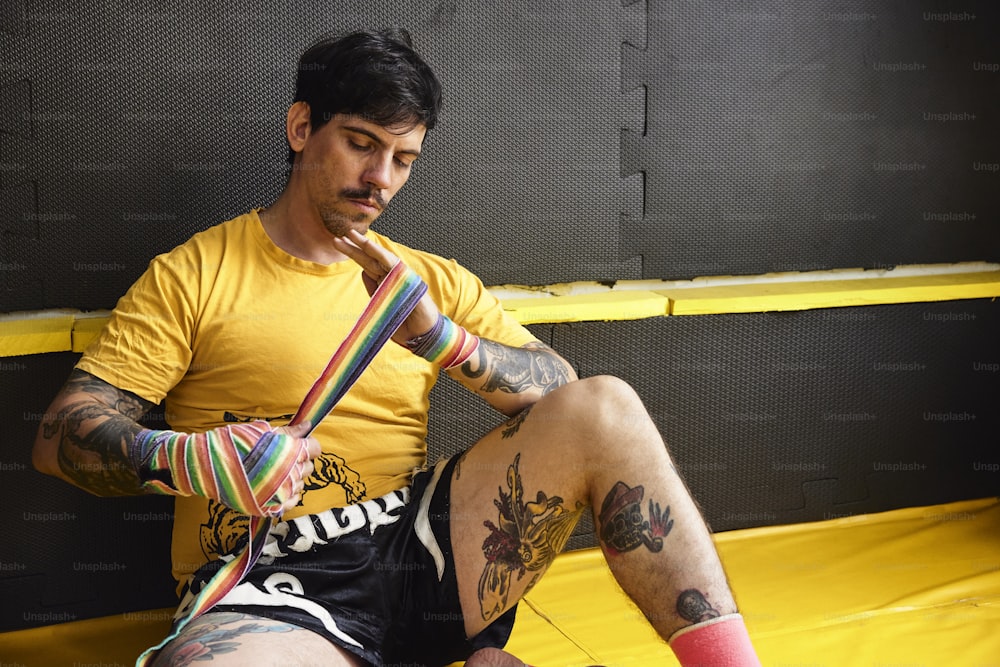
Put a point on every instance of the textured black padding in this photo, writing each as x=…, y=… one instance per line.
x=808, y=135
x=68, y=555
x=803, y=416
x=773, y=136
x=125, y=131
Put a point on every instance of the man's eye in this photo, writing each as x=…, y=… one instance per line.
x=405, y=164
x=356, y=146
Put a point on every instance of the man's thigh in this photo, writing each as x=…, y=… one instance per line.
x=516, y=497
x=232, y=638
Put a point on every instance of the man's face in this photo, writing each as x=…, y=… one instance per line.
x=353, y=168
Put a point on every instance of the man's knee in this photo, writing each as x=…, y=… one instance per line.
x=604, y=403
x=607, y=421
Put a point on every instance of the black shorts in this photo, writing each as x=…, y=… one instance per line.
x=376, y=578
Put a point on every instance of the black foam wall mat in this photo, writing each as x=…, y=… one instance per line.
x=69, y=555
x=805, y=416
x=597, y=141
x=785, y=135
x=125, y=130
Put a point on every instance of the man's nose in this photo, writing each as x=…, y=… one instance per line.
x=378, y=172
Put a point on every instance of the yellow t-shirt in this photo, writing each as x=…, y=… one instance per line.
x=228, y=327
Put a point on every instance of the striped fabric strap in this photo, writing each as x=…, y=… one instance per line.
x=396, y=297
x=393, y=301
x=447, y=344
x=245, y=466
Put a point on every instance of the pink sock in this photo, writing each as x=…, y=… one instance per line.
x=719, y=642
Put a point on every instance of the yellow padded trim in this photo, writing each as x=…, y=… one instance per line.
x=70, y=330
x=752, y=296
x=35, y=333
x=624, y=305
x=775, y=296
x=86, y=327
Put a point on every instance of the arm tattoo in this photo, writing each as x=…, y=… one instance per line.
x=515, y=370
x=93, y=432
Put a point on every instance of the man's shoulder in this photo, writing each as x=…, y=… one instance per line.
x=222, y=231
x=213, y=240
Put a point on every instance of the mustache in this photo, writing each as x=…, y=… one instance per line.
x=368, y=194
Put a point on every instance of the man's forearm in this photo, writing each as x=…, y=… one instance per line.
x=85, y=436
x=510, y=378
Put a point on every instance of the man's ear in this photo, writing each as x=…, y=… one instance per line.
x=297, y=126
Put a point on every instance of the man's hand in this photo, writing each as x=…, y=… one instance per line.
x=251, y=467
x=376, y=262
x=295, y=482
x=509, y=379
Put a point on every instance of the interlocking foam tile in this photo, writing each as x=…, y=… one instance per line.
x=787, y=135
x=917, y=586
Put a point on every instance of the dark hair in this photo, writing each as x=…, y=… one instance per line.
x=376, y=75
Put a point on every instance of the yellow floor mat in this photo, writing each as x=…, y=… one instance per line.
x=918, y=586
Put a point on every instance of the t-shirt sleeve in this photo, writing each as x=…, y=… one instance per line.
x=145, y=348
x=482, y=314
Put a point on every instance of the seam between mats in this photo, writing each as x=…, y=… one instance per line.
x=868, y=615
x=573, y=640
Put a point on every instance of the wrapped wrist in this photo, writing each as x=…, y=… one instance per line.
x=244, y=466
x=142, y=455
x=447, y=344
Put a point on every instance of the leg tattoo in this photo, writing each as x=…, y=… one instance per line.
x=623, y=527
x=217, y=636
x=692, y=606
x=528, y=538
x=514, y=423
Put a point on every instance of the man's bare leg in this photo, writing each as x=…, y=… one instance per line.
x=230, y=639
x=518, y=492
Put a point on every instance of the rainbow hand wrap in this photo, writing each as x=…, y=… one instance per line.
x=446, y=344
x=393, y=301
x=396, y=297
x=244, y=466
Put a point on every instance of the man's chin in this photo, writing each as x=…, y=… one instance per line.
x=340, y=225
